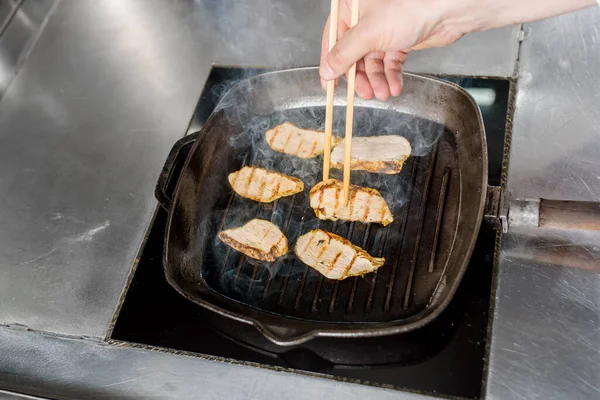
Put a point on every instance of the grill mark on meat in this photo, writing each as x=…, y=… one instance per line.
x=300, y=142
x=250, y=177
x=351, y=201
x=323, y=250
x=287, y=140
x=320, y=202
x=382, y=216
x=314, y=146
x=262, y=186
x=276, y=132
x=337, y=197
x=350, y=264
x=334, y=260
x=367, y=207
x=276, y=188
x=310, y=239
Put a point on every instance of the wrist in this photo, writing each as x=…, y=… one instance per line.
x=464, y=16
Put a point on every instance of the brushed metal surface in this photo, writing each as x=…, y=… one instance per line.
x=555, y=152
x=546, y=328
x=86, y=126
x=20, y=24
x=264, y=33
x=67, y=368
x=489, y=53
x=7, y=10
x=110, y=85
x=5, y=395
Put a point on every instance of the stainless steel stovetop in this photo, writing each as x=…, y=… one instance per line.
x=447, y=357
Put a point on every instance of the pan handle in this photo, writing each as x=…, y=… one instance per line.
x=175, y=160
x=559, y=214
x=502, y=211
x=567, y=214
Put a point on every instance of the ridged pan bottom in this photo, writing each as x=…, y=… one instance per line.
x=423, y=199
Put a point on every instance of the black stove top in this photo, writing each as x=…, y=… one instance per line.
x=446, y=357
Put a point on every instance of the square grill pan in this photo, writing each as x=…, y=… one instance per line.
x=436, y=201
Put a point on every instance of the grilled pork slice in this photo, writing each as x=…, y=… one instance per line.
x=258, y=239
x=381, y=154
x=304, y=143
x=364, y=204
x=262, y=185
x=334, y=256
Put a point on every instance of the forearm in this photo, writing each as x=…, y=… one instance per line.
x=389, y=29
x=477, y=15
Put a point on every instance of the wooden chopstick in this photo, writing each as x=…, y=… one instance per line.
x=333, y=27
x=349, y=113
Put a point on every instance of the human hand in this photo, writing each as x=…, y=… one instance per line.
x=388, y=30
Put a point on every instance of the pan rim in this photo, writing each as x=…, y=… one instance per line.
x=359, y=329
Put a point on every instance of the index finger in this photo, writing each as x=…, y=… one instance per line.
x=325, y=46
x=342, y=27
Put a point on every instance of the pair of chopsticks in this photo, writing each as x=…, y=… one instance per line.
x=333, y=28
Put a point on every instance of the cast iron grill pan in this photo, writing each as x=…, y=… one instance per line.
x=436, y=201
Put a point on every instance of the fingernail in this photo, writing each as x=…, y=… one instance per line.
x=327, y=72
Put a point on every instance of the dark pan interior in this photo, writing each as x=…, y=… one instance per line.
x=423, y=199
x=437, y=203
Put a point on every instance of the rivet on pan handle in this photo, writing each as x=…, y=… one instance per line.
x=173, y=165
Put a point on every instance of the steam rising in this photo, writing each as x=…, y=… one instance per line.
x=250, y=32
x=244, y=278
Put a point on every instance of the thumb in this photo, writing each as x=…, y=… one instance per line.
x=354, y=45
